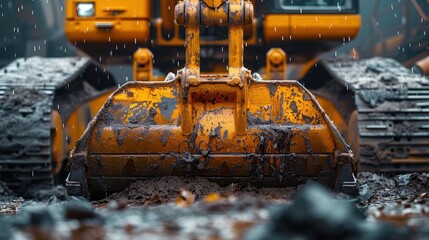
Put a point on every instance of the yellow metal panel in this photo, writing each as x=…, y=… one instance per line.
x=332, y=27
x=58, y=144
x=281, y=27
x=108, y=9
x=114, y=22
x=276, y=27
x=132, y=31
x=76, y=123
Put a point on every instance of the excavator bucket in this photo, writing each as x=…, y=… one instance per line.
x=228, y=128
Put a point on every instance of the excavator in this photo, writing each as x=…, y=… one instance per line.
x=214, y=117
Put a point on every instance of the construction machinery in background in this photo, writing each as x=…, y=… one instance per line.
x=213, y=118
x=384, y=101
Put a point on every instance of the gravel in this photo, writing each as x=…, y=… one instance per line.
x=194, y=208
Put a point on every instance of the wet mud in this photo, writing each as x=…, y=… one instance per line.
x=402, y=201
x=21, y=114
x=383, y=189
x=194, y=208
x=167, y=189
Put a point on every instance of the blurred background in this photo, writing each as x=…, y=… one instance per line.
x=390, y=28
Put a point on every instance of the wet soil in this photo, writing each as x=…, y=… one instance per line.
x=20, y=114
x=401, y=201
x=194, y=208
x=167, y=189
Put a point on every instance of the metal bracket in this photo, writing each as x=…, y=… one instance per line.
x=143, y=65
x=276, y=64
x=195, y=13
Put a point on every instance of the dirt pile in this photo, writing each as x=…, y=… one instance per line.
x=243, y=212
x=402, y=201
x=313, y=215
x=166, y=189
x=389, y=189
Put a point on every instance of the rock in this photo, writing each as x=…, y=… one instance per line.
x=315, y=215
x=402, y=180
x=364, y=193
x=79, y=210
x=34, y=215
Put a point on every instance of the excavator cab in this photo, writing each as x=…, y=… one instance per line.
x=226, y=127
x=111, y=31
x=119, y=26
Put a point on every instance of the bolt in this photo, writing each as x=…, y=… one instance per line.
x=192, y=80
x=276, y=58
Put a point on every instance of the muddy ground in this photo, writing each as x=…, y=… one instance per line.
x=194, y=208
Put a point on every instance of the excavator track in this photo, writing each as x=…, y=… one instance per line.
x=29, y=90
x=25, y=151
x=393, y=113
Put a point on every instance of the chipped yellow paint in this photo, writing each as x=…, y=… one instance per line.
x=224, y=126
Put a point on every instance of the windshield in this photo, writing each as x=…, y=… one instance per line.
x=315, y=5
